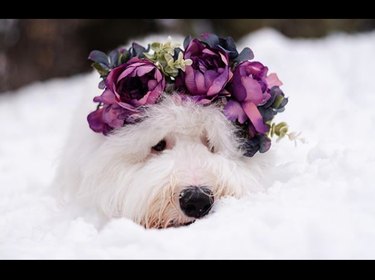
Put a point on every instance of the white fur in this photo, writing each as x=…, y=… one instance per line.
x=121, y=176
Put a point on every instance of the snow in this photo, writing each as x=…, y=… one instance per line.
x=319, y=204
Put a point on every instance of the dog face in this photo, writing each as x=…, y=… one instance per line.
x=168, y=169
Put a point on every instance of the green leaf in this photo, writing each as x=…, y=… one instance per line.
x=278, y=100
x=102, y=70
x=281, y=129
x=99, y=57
x=155, y=46
x=150, y=56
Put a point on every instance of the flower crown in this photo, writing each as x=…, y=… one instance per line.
x=208, y=70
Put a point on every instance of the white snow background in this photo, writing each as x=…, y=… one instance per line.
x=320, y=203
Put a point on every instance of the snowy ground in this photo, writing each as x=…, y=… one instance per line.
x=321, y=203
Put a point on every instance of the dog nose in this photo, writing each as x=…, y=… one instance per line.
x=195, y=201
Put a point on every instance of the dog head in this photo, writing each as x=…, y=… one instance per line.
x=169, y=168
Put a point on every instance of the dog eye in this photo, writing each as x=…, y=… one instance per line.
x=159, y=147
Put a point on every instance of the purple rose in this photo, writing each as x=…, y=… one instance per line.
x=250, y=88
x=128, y=87
x=207, y=76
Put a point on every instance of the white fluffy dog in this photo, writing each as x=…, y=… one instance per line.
x=166, y=170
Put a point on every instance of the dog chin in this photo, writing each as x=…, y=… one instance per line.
x=167, y=222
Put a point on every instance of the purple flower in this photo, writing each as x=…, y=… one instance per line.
x=128, y=87
x=228, y=46
x=209, y=72
x=250, y=88
x=259, y=143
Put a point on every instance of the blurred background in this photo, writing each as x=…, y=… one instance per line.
x=40, y=49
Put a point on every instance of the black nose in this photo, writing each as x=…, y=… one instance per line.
x=196, y=201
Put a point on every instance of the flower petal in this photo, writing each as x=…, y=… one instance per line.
x=95, y=120
x=154, y=96
x=209, y=77
x=130, y=71
x=111, y=116
x=199, y=81
x=273, y=80
x=253, y=90
x=219, y=83
x=112, y=77
x=158, y=76
x=128, y=107
x=238, y=90
x=151, y=84
x=142, y=70
x=224, y=58
x=190, y=79
x=255, y=68
x=255, y=117
x=233, y=111
x=108, y=97
x=209, y=52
